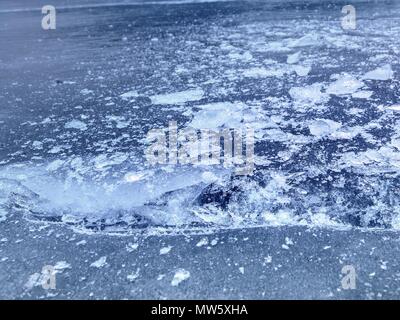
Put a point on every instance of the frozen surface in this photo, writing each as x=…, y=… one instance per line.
x=258, y=263
x=77, y=103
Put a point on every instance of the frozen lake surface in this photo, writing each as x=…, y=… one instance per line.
x=78, y=102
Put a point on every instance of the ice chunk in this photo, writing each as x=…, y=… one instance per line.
x=86, y=91
x=61, y=265
x=323, y=127
x=133, y=276
x=99, y=263
x=259, y=72
x=76, y=124
x=308, y=94
x=209, y=177
x=165, y=250
x=268, y=259
x=3, y=214
x=364, y=94
x=132, y=247
x=180, y=275
x=293, y=58
x=55, y=165
x=395, y=107
x=129, y=95
x=345, y=84
x=396, y=222
x=301, y=70
x=383, y=73
x=215, y=115
x=202, y=242
x=134, y=177
x=305, y=41
x=178, y=97
x=247, y=56
x=37, y=145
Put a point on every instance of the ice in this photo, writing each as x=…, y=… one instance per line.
x=217, y=115
x=129, y=95
x=3, y=213
x=120, y=121
x=81, y=243
x=365, y=94
x=308, y=94
x=76, y=124
x=209, y=177
x=101, y=262
x=165, y=250
x=180, y=275
x=56, y=149
x=37, y=145
x=38, y=279
x=202, y=242
x=178, y=97
x=133, y=276
x=305, y=41
x=396, y=222
x=395, y=107
x=302, y=71
x=260, y=72
x=293, y=58
x=382, y=73
x=288, y=241
x=271, y=46
x=299, y=83
x=279, y=218
x=247, y=56
x=345, y=84
x=383, y=159
x=268, y=259
x=61, y=265
x=132, y=247
x=160, y=196
x=103, y=161
x=323, y=127
x=86, y=91
x=134, y=177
